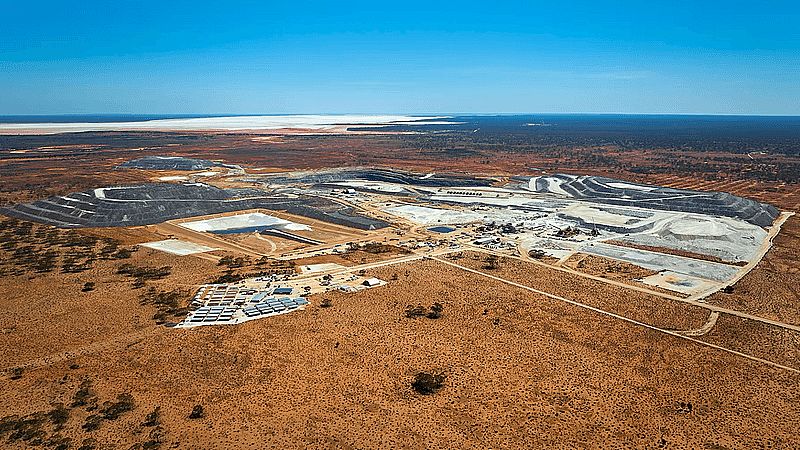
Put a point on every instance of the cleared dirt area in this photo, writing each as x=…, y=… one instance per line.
x=521, y=371
x=323, y=259
x=257, y=245
x=262, y=244
x=671, y=251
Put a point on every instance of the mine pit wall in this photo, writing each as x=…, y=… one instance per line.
x=382, y=175
x=751, y=211
x=155, y=214
x=135, y=214
x=165, y=162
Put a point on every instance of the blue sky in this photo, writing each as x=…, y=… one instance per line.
x=275, y=57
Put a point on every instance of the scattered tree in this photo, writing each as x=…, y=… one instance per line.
x=154, y=418
x=234, y=262
x=89, y=444
x=436, y=311
x=197, y=412
x=491, y=262
x=428, y=383
x=419, y=311
x=84, y=395
x=415, y=311
x=92, y=422
x=59, y=415
x=112, y=411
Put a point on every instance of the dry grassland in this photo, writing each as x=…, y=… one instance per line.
x=368, y=257
x=757, y=339
x=50, y=314
x=522, y=371
x=646, y=308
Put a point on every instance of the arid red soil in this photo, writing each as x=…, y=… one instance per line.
x=522, y=370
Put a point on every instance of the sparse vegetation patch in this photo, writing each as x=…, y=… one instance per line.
x=428, y=383
x=434, y=312
x=168, y=303
x=44, y=428
x=142, y=274
x=197, y=412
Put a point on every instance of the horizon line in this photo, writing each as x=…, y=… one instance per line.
x=414, y=114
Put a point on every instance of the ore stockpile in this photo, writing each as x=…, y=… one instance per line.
x=616, y=192
x=147, y=204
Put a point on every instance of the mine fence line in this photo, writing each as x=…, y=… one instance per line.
x=626, y=319
x=689, y=301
